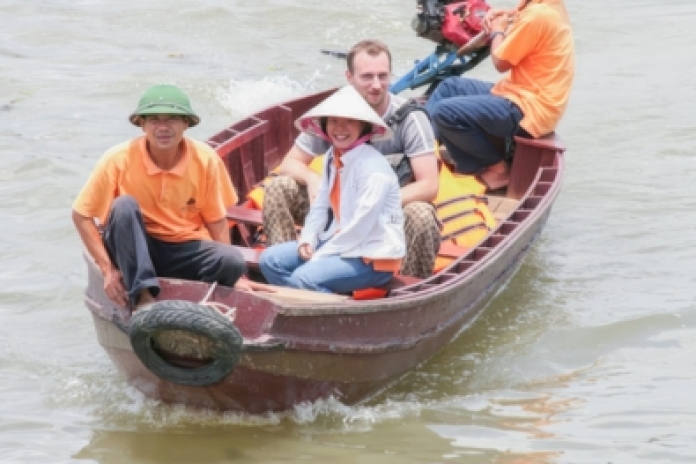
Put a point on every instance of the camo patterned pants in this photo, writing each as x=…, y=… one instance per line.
x=286, y=203
x=422, y=228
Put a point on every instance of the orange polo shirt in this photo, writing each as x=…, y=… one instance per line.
x=175, y=204
x=539, y=45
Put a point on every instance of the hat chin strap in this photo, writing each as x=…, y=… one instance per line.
x=317, y=129
x=360, y=141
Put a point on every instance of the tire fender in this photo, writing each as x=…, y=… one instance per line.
x=191, y=317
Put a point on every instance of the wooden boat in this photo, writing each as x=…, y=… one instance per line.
x=296, y=346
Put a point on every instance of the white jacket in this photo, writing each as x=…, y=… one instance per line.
x=371, y=217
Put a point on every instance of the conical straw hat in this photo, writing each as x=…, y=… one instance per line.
x=344, y=103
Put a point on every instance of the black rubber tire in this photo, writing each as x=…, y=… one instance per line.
x=191, y=317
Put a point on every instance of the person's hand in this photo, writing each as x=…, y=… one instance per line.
x=500, y=24
x=488, y=19
x=494, y=15
x=250, y=286
x=313, y=184
x=305, y=251
x=113, y=286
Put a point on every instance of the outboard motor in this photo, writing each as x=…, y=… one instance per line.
x=449, y=21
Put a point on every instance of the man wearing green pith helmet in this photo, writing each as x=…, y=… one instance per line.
x=161, y=199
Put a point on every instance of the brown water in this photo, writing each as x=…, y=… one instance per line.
x=587, y=356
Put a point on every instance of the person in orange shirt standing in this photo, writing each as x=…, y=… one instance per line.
x=533, y=44
x=161, y=199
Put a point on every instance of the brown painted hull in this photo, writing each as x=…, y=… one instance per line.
x=350, y=350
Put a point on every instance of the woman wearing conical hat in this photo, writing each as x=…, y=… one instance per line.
x=353, y=236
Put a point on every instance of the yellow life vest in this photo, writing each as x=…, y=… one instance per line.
x=464, y=213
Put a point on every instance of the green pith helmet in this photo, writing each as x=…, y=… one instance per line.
x=164, y=99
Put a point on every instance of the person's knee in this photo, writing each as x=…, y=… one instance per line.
x=421, y=223
x=123, y=206
x=450, y=115
x=233, y=262
x=447, y=87
x=437, y=117
x=410, y=209
x=232, y=265
x=266, y=261
x=281, y=188
x=432, y=107
x=278, y=260
x=124, y=215
x=420, y=212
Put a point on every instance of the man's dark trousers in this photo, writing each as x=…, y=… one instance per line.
x=466, y=117
x=141, y=258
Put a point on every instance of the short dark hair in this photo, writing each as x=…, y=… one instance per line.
x=372, y=47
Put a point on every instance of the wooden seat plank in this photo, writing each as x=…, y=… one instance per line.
x=245, y=215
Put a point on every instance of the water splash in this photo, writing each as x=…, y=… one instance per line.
x=243, y=97
x=102, y=394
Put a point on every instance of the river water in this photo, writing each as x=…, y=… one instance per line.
x=588, y=355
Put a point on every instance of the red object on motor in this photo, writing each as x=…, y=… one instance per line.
x=463, y=20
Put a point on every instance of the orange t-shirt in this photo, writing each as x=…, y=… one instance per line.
x=539, y=45
x=175, y=204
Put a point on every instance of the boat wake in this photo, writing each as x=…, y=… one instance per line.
x=116, y=405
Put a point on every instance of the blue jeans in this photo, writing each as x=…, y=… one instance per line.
x=466, y=116
x=281, y=265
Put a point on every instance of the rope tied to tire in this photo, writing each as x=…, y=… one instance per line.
x=225, y=310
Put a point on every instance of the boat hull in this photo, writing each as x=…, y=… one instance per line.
x=357, y=366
